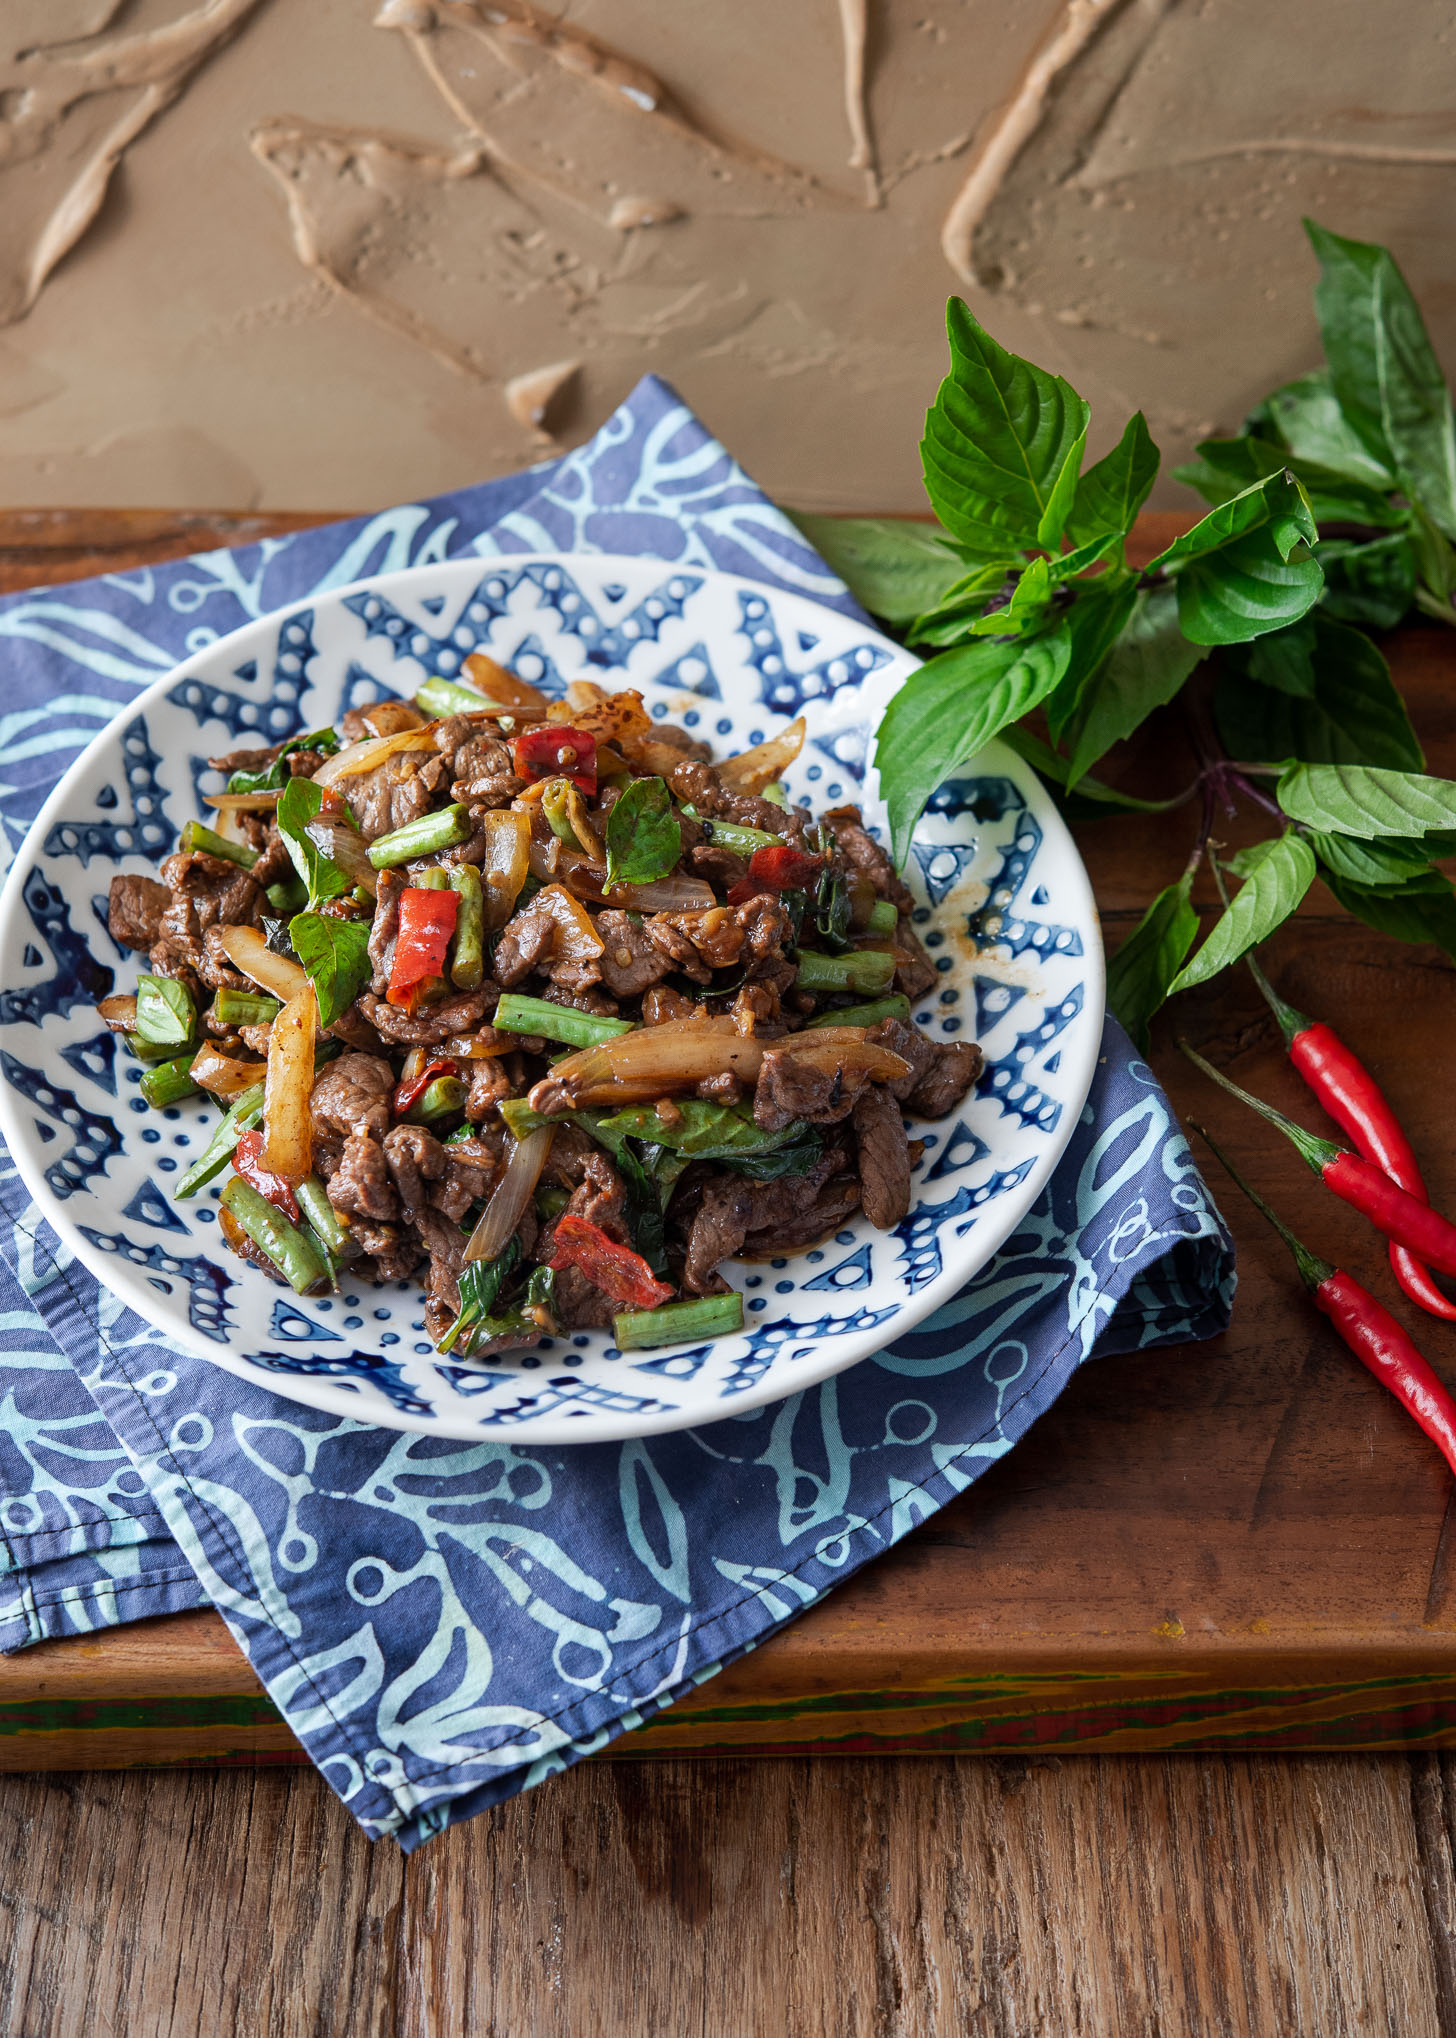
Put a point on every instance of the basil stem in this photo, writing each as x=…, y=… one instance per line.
x=638, y=1330
x=170, y=1081
x=292, y=1251
x=199, y=838
x=863, y=1015
x=427, y=835
x=861, y=969
x=518, y=1014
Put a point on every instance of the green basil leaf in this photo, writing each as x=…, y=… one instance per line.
x=1378, y=866
x=1146, y=667
x=1026, y=609
x=1246, y=567
x=997, y=441
x=1247, y=861
x=335, y=957
x=300, y=802
x=950, y=620
x=1306, y=416
x=1140, y=973
x=1365, y=801
x=644, y=837
x=644, y=1205
x=704, y=1131
x=1418, y=916
x=1275, y=886
x=1227, y=466
x=1059, y=502
x=1284, y=660
x=1356, y=716
x=165, y=1012
x=1066, y=564
x=1094, y=622
x=1435, y=565
x=898, y=570
x=950, y=709
x=1113, y=490
x=277, y=774
x=1384, y=369
x=1372, y=582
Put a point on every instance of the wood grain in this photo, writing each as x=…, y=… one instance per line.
x=798, y=1900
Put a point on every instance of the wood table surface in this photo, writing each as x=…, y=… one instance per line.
x=1236, y=1548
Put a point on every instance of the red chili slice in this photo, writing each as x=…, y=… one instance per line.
x=409, y=1094
x=615, y=1269
x=556, y=751
x=784, y=869
x=745, y=888
x=426, y=922
x=246, y=1155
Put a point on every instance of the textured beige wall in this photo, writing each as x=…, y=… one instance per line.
x=333, y=252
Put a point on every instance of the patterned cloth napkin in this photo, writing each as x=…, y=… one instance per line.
x=445, y=1624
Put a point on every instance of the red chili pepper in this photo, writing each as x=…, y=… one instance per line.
x=554, y=751
x=410, y=1093
x=1368, y=1328
x=426, y=923
x=1354, y=1100
x=783, y=868
x=1368, y=1189
x=246, y=1155
x=615, y=1269
x=745, y=888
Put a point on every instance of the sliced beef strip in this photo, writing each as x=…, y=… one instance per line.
x=724, y=1088
x=580, y=1304
x=274, y=864
x=679, y=738
x=630, y=962
x=661, y=1006
x=396, y=791
x=207, y=891
x=865, y=857
x=491, y=1082
x=884, y=1157
x=915, y=973
x=697, y=785
x=246, y=760
x=134, y=911
x=906, y=1040
x=360, y=1185
x=415, y=1157
x=526, y=942
x=445, y=1248
x=719, y=866
x=756, y=1011
x=384, y=929
x=591, y=999
x=213, y=966
x=471, y=1166
x=351, y=1095
x=432, y=1024
x=957, y=1065
x=171, y=958
x=697, y=943
x=833, y=1202
x=789, y=1088
x=392, y=1254
x=719, y=1228
x=577, y=1163
x=379, y=718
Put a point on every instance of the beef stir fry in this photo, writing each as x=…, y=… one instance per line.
x=534, y=1002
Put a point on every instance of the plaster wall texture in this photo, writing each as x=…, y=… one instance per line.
x=289, y=253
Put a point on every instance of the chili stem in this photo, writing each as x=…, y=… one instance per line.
x=862, y=1015
x=518, y=1014
x=168, y=1082
x=427, y=835
x=1317, y=1152
x=861, y=969
x=639, y=1330
x=1312, y=1269
x=245, y=1008
x=1291, y=1022
x=201, y=839
x=291, y=1250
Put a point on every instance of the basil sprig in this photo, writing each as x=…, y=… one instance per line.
x=1030, y=607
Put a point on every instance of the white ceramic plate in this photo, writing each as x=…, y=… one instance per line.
x=1006, y=911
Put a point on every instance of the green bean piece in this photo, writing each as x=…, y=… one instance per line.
x=324, y=1221
x=638, y=1330
x=467, y=944
x=863, y=1015
x=732, y=836
x=432, y=880
x=198, y=837
x=884, y=917
x=554, y=807
x=244, y=1008
x=149, y=1050
x=861, y=969
x=450, y=697
x=441, y=1099
x=245, y=1112
x=518, y=1014
x=427, y=835
x=170, y=1081
x=289, y=896
x=292, y=1251
x=776, y=793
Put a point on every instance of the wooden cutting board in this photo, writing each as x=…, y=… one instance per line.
x=1236, y=1544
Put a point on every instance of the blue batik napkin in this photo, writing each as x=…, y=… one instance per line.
x=444, y=1624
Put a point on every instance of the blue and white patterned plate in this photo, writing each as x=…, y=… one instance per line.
x=1006, y=912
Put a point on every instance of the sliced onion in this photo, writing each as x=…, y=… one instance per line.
x=345, y=846
x=223, y=1074
x=414, y=1061
x=576, y=938
x=666, y=895
x=246, y=950
x=610, y=717
x=391, y=718
x=658, y=1059
x=372, y=750
x=501, y=687
x=505, y=865
x=545, y=859
x=850, y=1057
x=752, y=770
x=287, y=1124
x=119, y=1012
x=241, y=803
x=501, y=1218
